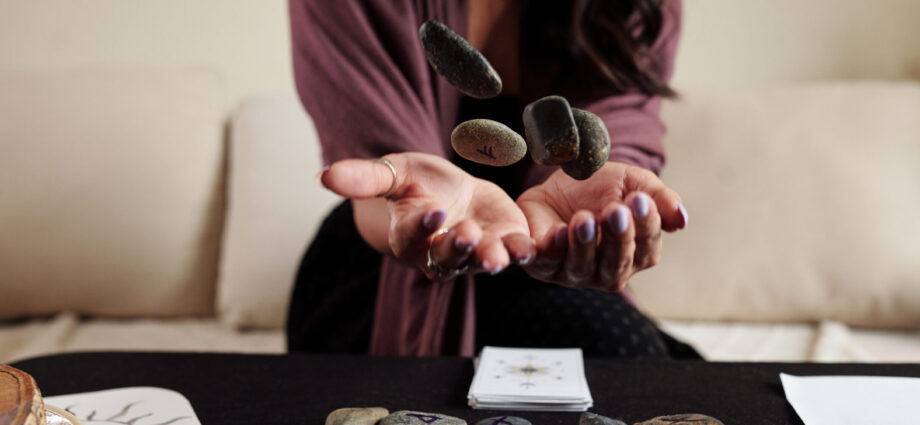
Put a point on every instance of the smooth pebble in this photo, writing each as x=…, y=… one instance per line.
x=408, y=417
x=550, y=131
x=683, y=419
x=504, y=420
x=593, y=145
x=488, y=142
x=589, y=418
x=356, y=416
x=458, y=61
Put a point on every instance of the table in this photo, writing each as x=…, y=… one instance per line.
x=301, y=389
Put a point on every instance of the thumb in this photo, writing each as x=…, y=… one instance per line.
x=670, y=207
x=364, y=178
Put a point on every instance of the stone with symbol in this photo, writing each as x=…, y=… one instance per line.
x=488, y=142
x=458, y=61
x=593, y=145
x=504, y=420
x=589, y=418
x=356, y=416
x=682, y=419
x=408, y=417
x=550, y=131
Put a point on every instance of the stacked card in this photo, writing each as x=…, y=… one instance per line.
x=538, y=379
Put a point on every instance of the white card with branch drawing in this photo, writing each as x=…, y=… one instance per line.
x=541, y=377
x=128, y=406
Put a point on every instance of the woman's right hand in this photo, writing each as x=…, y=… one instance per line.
x=485, y=229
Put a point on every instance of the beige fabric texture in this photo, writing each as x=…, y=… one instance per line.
x=274, y=208
x=803, y=205
x=111, y=201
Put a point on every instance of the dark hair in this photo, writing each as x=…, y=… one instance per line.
x=612, y=37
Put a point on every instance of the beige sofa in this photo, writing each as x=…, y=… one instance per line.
x=140, y=211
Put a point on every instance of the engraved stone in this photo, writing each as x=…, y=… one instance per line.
x=408, y=417
x=589, y=418
x=458, y=61
x=683, y=419
x=550, y=131
x=504, y=420
x=593, y=145
x=488, y=142
x=356, y=416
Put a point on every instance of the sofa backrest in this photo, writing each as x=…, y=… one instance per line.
x=111, y=191
x=803, y=202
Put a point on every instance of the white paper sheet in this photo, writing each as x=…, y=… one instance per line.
x=857, y=400
x=130, y=405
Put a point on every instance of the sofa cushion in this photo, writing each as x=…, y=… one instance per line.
x=803, y=205
x=111, y=201
x=274, y=208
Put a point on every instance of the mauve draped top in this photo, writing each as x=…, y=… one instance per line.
x=362, y=76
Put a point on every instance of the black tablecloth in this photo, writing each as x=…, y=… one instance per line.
x=301, y=389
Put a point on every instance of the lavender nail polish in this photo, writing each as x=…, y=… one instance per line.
x=619, y=220
x=463, y=245
x=433, y=219
x=524, y=259
x=683, y=215
x=586, y=230
x=639, y=205
x=561, y=238
x=496, y=270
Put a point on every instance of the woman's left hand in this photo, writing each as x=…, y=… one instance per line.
x=598, y=232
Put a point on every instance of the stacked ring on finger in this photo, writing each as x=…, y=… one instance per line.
x=434, y=270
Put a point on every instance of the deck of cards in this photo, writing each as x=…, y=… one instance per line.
x=535, y=379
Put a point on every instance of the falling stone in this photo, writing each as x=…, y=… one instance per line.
x=505, y=420
x=589, y=418
x=458, y=61
x=593, y=145
x=408, y=417
x=550, y=130
x=488, y=142
x=684, y=419
x=356, y=416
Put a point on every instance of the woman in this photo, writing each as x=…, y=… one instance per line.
x=535, y=238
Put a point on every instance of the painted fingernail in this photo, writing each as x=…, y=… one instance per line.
x=683, y=215
x=586, y=230
x=319, y=176
x=463, y=245
x=619, y=220
x=561, y=238
x=433, y=219
x=639, y=205
x=523, y=259
x=496, y=270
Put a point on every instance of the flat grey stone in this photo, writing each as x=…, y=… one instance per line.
x=409, y=417
x=593, y=145
x=488, y=142
x=356, y=416
x=550, y=131
x=458, y=61
x=589, y=418
x=683, y=419
x=504, y=420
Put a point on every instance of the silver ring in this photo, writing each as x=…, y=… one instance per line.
x=434, y=271
x=392, y=168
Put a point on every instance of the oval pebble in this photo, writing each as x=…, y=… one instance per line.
x=589, y=418
x=356, y=416
x=458, y=61
x=504, y=420
x=550, y=131
x=409, y=417
x=683, y=419
x=488, y=142
x=593, y=145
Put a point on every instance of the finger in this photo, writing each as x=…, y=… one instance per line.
x=648, y=230
x=491, y=255
x=521, y=248
x=617, y=247
x=411, y=229
x=579, y=262
x=673, y=213
x=452, y=249
x=363, y=178
x=551, y=251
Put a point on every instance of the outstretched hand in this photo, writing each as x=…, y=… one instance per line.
x=434, y=205
x=598, y=232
